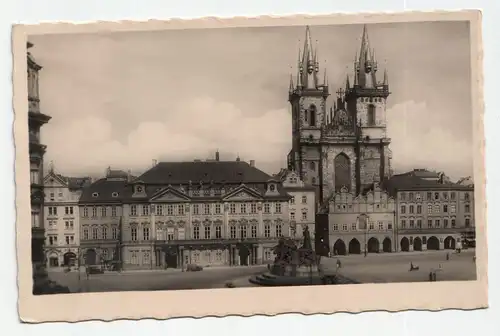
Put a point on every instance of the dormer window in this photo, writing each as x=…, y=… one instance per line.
x=114, y=194
x=139, y=189
x=95, y=194
x=272, y=187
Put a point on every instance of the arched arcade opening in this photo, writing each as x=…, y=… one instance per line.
x=433, y=243
x=339, y=247
x=354, y=246
x=373, y=245
x=405, y=244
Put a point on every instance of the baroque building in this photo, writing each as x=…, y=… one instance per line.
x=61, y=222
x=345, y=146
x=432, y=213
x=36, y=120
x=181, y=213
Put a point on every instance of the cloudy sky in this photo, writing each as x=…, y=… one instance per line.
x=124, y=99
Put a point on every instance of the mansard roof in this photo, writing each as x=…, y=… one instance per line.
x=411, y=182
x=229, y=172
x=103, y=191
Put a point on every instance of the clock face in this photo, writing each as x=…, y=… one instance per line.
x=139, y=189
x=272, y=187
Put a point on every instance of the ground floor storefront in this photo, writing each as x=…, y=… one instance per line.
x=361, y=243
x=180, y=254
x=61, y=257
x=409, y=242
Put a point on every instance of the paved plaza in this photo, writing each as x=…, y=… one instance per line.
x=394, y=267
x=374, y=268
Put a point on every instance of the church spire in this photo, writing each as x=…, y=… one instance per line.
x=366, y=66
x=291, y=88
x=386, y=78
x=309, y=63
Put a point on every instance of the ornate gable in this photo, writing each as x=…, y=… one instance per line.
x=169, y=194
x=243, y=193
x=54, y=181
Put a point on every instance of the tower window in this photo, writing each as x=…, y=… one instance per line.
x=312, y=115
x=312, y=166
x=371, y=115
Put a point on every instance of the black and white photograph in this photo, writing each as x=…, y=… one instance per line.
x=300, y=155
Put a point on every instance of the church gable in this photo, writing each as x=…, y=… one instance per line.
x=242, y=193
x=169, y=195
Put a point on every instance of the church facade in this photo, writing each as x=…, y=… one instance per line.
x=343, y=151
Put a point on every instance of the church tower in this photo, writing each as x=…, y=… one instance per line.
x=345, y=146
x=307, y=97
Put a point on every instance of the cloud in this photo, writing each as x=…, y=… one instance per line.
x=421, y=138
x=196, y=130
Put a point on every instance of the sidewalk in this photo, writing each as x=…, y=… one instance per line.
x=394, y=254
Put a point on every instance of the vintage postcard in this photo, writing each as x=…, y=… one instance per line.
x=332, y=163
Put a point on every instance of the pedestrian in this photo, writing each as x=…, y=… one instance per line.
x=339, y=264
x=87, y=271
x=447, y=256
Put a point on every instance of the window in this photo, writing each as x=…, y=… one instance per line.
x=429, y=196
x=292, y=215
x=403, y=196
x=103, y=211
x=113, y=211
x=312, y=115
x=104, y=232
x=180, y=209
x=253, y=208
x=34, y=175
x=146, y=257
x=453, y=195
x=170, y=209
x=218, y=232
x=207, y=232
x=254, y=231
x=232, y=208
x=445, y=208
x=412, y=209
x=436, y=196
x=267, y=208
x=85, y=212
x=243, y=232
x=85, y=234
x=52, y=211
x=68, y=210
x=133, y=233
x=445, y=195
x=93, y=195
x=371, y=115
x=467, y=196
x=429, y=208
x=344, y=227
x=114, y=232
x=145, y=233
x=267, y=231
x=114, y=194
x=278, y=230
x=354, y=227
x=292, y=200
x=233, y=231
x=278, y=207
x=453, y=223
x=412, y=223
x=304, y=199
x=371, y=226
x=410, y=195
x=207, y=209
x=419, y=223
x=95, y=233
x=52, y=240
x=418, y=196
x=335, y=227
x=437, y=223
x=380, y=226
x=389, y=226
x=145, y=210
x=437, y=208
x=429, y=223
x=243, y=208
x=196, y=232
x=445, y=223
x=467, y=208
x=70, y=240
x=217, y=209
x=312, y=166
x=304, y=215
x=419, y=209
x=467, y=222
x=403, y=209
x=196, y=209
x=403, y=223
x=133, y=210
x=52, y=197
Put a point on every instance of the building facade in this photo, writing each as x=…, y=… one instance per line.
x=431, y=214
x=362, y=223
x=302, y=205
x=36, y=120
x=100, y=217
x=206, y=213
x=61, y=222
x=345, y=146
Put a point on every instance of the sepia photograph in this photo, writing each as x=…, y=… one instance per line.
x=258, y=157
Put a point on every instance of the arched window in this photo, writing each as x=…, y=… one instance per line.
x=342, y=172
x=312, y=115
x=371, y=115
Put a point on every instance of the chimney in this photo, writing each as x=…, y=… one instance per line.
x=217, y=158
x=252, y=163
x=129, y=175
x=108, y=171
x=154, y=162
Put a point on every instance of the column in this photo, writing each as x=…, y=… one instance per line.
x=381, y=247
x=260, y=253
